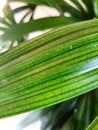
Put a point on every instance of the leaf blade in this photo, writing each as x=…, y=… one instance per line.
x=17, y=31
x=72, y=72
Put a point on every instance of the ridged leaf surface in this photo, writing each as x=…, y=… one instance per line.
x=49, y=69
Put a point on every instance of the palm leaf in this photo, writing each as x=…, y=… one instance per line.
x=52, y=68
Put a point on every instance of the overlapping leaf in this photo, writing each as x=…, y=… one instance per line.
x=34, y=25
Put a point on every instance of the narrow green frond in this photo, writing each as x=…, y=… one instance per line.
x=82, y=113
x=17, y=31
x=8, y=14
x=96, y=8
x=5, y=22
x=90, y=8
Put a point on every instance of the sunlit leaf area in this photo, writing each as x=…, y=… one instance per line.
x=49, y=64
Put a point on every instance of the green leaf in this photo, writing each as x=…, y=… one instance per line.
x=49, y=69
x=90, y=8
x=82, y=115
x=96, y=8
x=3, y=28
x=17, y=31
x=93, y=125
x=66, y=7
x=81, y=9
x=94, y=104
x=9, y=14
x=4, y=22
